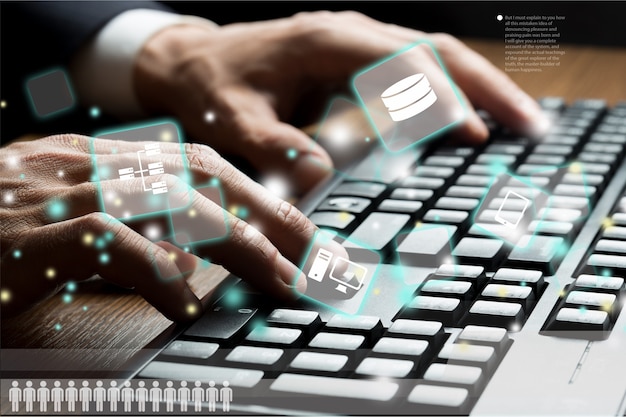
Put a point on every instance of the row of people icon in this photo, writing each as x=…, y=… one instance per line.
x=127, y=395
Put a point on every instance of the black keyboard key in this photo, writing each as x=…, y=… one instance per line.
x=378, y=230
x=463, y=290
x=522, y=277
x=472, y=273
x=349, y=204
x=359, y=189
x=426, y=246
x=510, y=293
x=539, y=252
x=423, y=183
x=438, y=400
x=307, y=321
x=448, y=311
x=401, y=206
x=466, y=192
x=455, y=203
x=190, y=349
x=275, y=336
x=581, y=319
x=319, y=362
x=600, y=283
x=369, y=326
x=236, y=377
x=385, y=367
x=411, y=194
x=496, y=314
x=430, y=331
x=485, y=252
x=333, y=219
x=259, y=356
x=446, y=216
x=221, y=324
x=495, y=337
x=471, y=378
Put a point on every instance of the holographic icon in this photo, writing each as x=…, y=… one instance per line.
x=154, y=168
x=50, y=93
x=408, y=97
x=320, y=265
x=352, y=276
x=511, y=218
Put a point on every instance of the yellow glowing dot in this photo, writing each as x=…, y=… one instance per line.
x=5, y=296
x=3, y=104
x=75, y=142
x=117, y=202
x=191, y=309
x=343, y=216
x=88, y=239
x=575, y=167
x=51, y=273
x=233, y=210
x=376, y=291
x=502, y=292
x=171, y=256
x=608, y=222
x=166, y=136
x=607, y=307
x=418, y=224
x=562, y=293
x=192, y=213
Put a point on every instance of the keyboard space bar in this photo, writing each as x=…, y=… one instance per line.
x=358, y=389
x=245, y=378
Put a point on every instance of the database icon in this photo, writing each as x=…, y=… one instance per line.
x=408, y=97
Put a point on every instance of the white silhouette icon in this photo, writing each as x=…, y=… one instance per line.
x=15, y=396
x=197, y=396
x=226, y=396
x=408, y=97
x=169, y=394
x=127, y=396
x=113, y=395
x=320, y=265
x=57, y=396
x=155, y=168
x=212, y=395
x=43, y=396
x=156, y=395
x=30, y=396
x=183, y=396
x=511, y=218
x=71, y=396
x=99, y=396
x=141, y=396
x=85, y=396
x=352, y=276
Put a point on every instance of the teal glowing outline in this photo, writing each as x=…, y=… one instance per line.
x=453, y=85
x=31, y=101
x=133, y=126
x=307, y=254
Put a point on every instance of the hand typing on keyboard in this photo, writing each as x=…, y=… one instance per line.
x=257, y=77
x=52, y=231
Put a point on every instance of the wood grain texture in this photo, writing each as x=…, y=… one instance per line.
x=117, y=323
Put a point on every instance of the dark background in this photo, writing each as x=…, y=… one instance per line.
x=29, y=47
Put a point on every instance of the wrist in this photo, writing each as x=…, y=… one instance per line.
x=161, y=63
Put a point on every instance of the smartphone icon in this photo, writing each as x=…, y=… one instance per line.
x=320, y=265
x=511, y=218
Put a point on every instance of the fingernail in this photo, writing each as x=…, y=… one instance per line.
x=291, y=275
x=538, y=123
x=309, y=169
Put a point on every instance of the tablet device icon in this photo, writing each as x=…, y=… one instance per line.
x=511, y=218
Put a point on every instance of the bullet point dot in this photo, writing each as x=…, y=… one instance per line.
x=499, y=17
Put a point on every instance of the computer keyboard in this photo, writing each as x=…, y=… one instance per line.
x=438, y=350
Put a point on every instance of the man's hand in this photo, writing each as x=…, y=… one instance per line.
x=49, y=220
x=254, y=77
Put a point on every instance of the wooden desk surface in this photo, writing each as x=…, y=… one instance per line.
x=103, y=325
